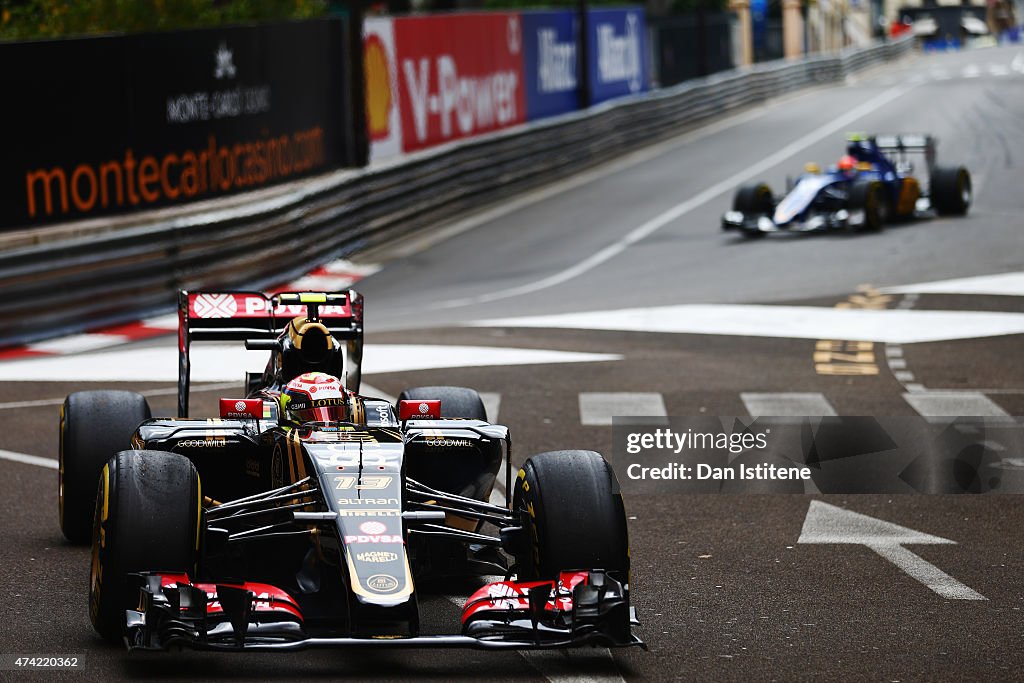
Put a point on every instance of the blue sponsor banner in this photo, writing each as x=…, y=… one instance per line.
x=759, y=21
x=550, y=63
x=617, y=53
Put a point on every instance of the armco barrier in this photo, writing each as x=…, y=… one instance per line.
x=76, y=283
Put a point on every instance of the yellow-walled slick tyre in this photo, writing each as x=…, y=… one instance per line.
x=93, y=426
x=576, y=520
x=147, y=519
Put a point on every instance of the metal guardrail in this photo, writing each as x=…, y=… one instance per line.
x=75, y=284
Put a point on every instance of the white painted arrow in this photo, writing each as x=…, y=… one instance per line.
x=225, y=362
x=828, y=524
x=894, y=326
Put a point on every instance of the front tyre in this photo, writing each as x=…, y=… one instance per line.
x=951, y=190
x=93, y=426
x=147, y=518
x=869, y=198
x=754, y=199
x=574, y=516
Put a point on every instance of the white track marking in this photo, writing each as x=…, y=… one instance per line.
x=953, y=404
x=790, y=322
x=31, y=403
x=563, y=666
x=224, y=386
x=1002, y=284
x=661, y=220
x=77, y=343
x=163, y=322
x=457, y=600
x=828, y=524
x=598, y=408
x=373, y=392
x=499, y=496
x=323, y=283
x=217, y=363
x=927, y=573
x=787, y=404
x=492, y=405
x=48, y=463
x=346, y=267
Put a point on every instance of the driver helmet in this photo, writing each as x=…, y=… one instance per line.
x=847, y=164
x=314, y=397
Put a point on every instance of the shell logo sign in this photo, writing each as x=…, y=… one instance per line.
x=382, y=110
x=378, y=101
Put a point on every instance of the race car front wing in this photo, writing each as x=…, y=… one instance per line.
x=580, y=608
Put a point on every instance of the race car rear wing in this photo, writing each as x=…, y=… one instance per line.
x=246, y=315
x=895, y=142
x=900, y=144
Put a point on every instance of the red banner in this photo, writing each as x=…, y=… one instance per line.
x=458, y=75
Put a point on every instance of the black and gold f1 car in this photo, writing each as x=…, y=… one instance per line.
x=249, y=531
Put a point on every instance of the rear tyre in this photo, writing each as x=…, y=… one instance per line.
x=951, y=190
x=575, y=517
x=455, y=401
x=869, y=197
x=93, y=426
x=147, y=518
x=456, y=471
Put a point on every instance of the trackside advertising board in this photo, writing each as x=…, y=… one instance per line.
x=458, y=75
x=98, y=126
x=617, y=62
x=435, y=79
x=383, y=114
x=616, y=58
x=550, y=63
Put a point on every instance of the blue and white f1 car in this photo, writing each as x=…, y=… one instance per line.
x=872, y=184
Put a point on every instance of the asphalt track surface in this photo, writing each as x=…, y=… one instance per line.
x=722, y=586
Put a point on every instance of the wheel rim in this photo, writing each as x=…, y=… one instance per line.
x=873, y=208
x=98, y=541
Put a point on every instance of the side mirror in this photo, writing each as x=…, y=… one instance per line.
x=419, y=410
x=241, y=408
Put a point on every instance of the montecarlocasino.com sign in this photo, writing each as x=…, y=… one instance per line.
x=99, y=126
